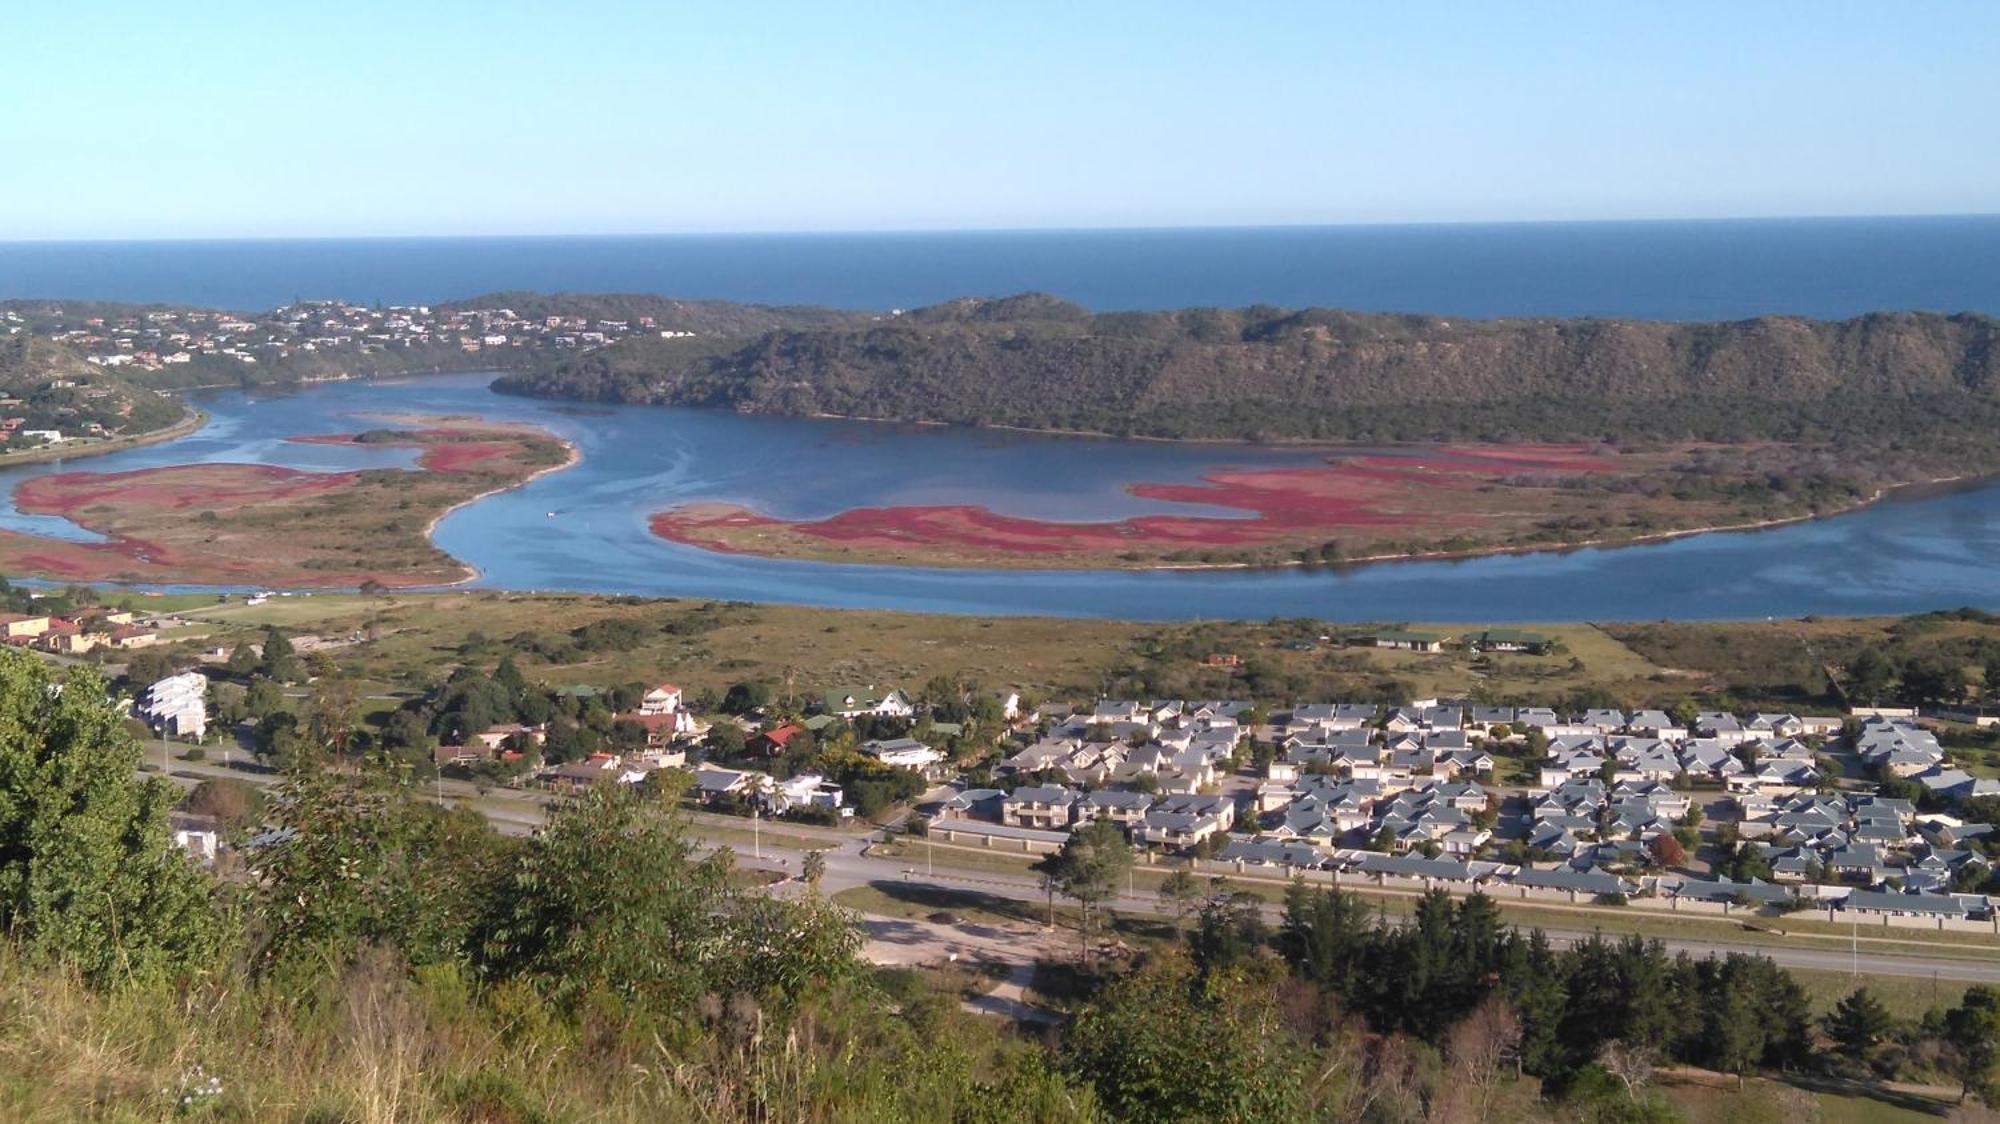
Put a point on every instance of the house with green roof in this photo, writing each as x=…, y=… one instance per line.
x=1406, y=641
x=854, y=702
x=1512, y=640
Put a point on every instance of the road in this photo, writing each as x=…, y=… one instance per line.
x=520, y=812
x=847, y=867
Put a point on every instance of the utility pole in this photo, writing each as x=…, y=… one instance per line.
x=756, y=834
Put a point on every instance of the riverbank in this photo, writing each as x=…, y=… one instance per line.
x=191, y=420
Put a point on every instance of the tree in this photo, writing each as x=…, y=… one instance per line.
x=143, y=669
x=1231, y=929
x=1089, y=869
x=813, y=868
x=368, y=863
x=280, y=662
x=1631, y=1065
x=1858, y=1023
x=742, y=698
x=233, y=803
x=1666, y=852
x=1972, y=1029
x=1684, y=713
x=1746, y=862
x=1182, y=890
x=610, y=900
x=330, y=713
x=88, y=874
x=263, y=699
x=1869, y=675
x=1157, y=1047
x=243, y=660
x=1934, y=679
x=725, y=741
x=1478, y=1048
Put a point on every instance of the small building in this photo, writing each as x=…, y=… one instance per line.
x=773, y=743
x=22, y=626
x=1511, y=640
x=1406, y=641
x=903, y=753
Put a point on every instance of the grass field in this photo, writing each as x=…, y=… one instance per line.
x=407, y=641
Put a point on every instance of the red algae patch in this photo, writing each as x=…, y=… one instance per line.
x=1363, y=497
x=277, y=526
x=175, y=488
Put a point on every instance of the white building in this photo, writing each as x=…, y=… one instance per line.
x=663, y=699
x=177, y=705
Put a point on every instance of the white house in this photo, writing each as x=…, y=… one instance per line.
x=663, y=699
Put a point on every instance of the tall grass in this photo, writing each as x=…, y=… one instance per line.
x=377, y=1043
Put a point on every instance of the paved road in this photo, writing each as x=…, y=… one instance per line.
x=518, y=812
x=847, y=867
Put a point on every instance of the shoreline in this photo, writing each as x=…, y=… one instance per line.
x=192, y=419
x=573, y=457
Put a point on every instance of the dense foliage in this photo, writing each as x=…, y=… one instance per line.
x=1317, y=373
x=87, y=875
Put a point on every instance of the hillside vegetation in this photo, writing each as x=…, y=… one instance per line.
x=1267, y=373
x=51, y=387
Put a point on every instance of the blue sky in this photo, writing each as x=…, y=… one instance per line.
x=217, y=119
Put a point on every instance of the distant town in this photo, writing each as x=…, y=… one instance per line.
x=160, y=339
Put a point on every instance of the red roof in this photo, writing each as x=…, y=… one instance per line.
x=652, y=722
x=782, y=736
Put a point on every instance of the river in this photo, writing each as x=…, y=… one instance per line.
x=584, y=529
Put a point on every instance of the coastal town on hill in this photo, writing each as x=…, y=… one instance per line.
x=159, y=339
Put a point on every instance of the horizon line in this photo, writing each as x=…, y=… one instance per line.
x=1013, y=230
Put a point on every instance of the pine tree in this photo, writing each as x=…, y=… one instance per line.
x=1858, y=1022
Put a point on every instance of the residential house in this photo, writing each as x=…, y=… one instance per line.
x=1403, y=640
x=1047, y=807
x=1185, y=820
x=903, y=753
x=663, y=699
x=1126, y=809
x=855, y=702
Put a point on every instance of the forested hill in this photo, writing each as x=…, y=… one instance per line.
x=1270, y=373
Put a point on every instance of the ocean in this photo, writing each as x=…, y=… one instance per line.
x=1682, y=270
